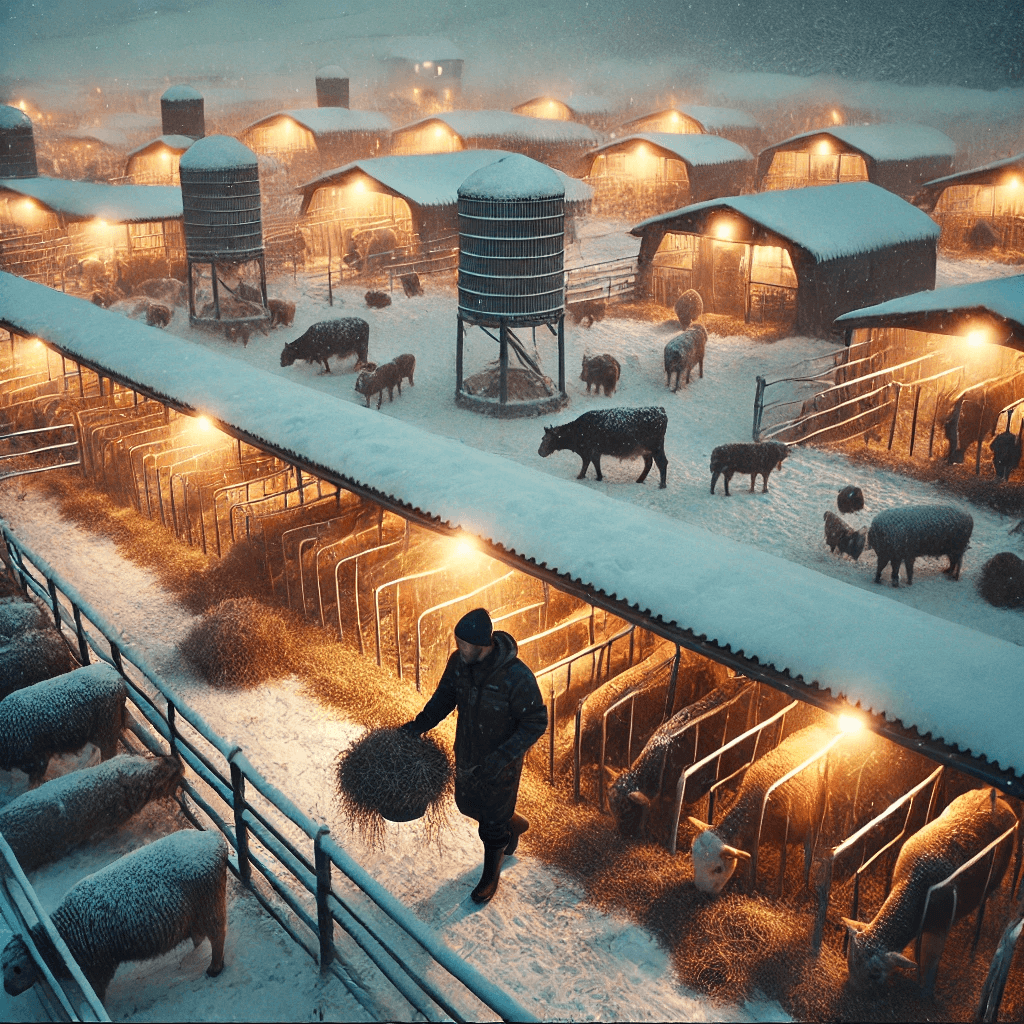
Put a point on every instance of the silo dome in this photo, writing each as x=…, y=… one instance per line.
x=182, y=112
x=512, y=243
x=332, y=87
x=17, y=144
x=220, y=196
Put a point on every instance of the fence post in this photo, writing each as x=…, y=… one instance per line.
x=172, y=728
x=913, y=424
x=324, y=921
x=241, y=829
x=52, y=587
x=758, y=406
x=83, y=646
x=895, y=413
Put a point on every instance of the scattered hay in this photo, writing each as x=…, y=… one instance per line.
x=1002, y=580
x=240, y=642
x=391, y=775
x=523, y=385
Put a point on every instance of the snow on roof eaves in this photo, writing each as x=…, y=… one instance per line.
x=113, y=137
x=1016, y=162
x=885, y=142
x=944, y=679
x=433, y=179
x=1003, y=296
x=828, y=221
x=719, y=117
x=503, y=124
x=12, y=117
x=83, y=200
x=332, y=120
x=695, y=150
x=178, y=143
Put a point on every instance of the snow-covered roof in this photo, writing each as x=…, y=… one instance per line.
x=113, y=137
x=695, y=150
x=181, y=93
x=946, y=680
x=177, y=143
x=84, y=200
x=12, y=117
x=503, y=124
x=423, y=48
x=711, y=118
x=828, y=221
x=883, y=142
x=217, y=153
x=1002, y=296
x=332, y=120
x=432, y=179
x=928, y=194
x=513, y=177
x=332, y=71
x=587, y=103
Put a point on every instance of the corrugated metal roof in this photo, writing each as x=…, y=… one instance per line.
x=83, y=200
x=692, y=149
x=828, y=221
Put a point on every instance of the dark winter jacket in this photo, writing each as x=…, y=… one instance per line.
x=501, y=715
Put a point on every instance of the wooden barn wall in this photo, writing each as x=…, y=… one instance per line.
x=905, y=177
x=715, y=180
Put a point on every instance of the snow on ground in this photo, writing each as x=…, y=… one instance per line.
x=539, y=939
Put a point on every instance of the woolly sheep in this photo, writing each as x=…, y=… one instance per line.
x=61, y=715
x=30, y=657
x=385, y=377
x=850, y=499
x=965, y=828
x=137, y=908
x=751, y=457
x=683, y=353
x=688, y=307
x=717, y=849
x=905, y=534
x=44, y=824
x=601, y=372
x=18, y=615
x=839, y=534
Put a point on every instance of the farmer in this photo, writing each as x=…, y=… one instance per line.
x=501, y=715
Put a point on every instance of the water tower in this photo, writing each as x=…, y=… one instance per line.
x=332, y=87
x=182, y=112
x=511, y=278
x=17, y=144
x=220, y=198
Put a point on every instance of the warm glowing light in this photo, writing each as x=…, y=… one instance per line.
x=724, y=230
x=100, y=224
x=1013, y=183
x=27, y=206
x=21, y=106
x=359, y=185
x=464, y=548
x=203, y=423
x=440, y=69
x=99, y=90
x=165, y=156
x=428, y=63
x=851, y=724
x=823, y=148
x=439, y=130
x=977, y=337
x=837, y=118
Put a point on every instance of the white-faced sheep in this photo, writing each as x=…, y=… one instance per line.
x=753, y=457
x=137, y=908
x=905, y=534
x=964, y=829
x=683, y=353
x=717, y=850
x=61, y=715
x=44, y=824
x=839, y=534
x=30, y=656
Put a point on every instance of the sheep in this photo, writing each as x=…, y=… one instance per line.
x=689, y=306
x=905, y=534
x=406, y=366
x=839, y=534
x=1002, y=580
x=104, y=297
x=717, y=849
x=850, y=499
x=602, y=372
x=167, y=290
x=587, y=312
x=751, y=457
x=44, y=824
x=345, y=336
x=411, y=285
x=683, y=352
x=964, y=829
x=377, y=300
x=621, y=432
x=31, y=656
x=61, y=715
x=282, y=312
x=18, y=615
x=137, y=908
x=385, y=377
x=157, y=314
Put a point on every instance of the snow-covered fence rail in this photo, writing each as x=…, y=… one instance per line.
x=268, y=832
x=611, y=281
x=71, y=447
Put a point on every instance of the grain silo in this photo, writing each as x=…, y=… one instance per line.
x=511, y=277
x=182, y=112
x=220, y=197
x=17, y=144
x=332, y=87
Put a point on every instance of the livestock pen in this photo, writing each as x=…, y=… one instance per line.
x=592, y=623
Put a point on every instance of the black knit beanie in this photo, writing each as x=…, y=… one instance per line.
x=475, y=628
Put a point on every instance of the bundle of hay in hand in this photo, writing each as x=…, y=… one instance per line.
x=392, y=775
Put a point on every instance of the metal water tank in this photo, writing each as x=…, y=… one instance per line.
x=332, y=87
x=17, y=144
x=220, y=197
x=182, y=112
x=512, y=243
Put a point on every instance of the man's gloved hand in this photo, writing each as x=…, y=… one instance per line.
x=412, y=728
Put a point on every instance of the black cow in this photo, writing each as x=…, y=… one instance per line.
x=623, y=433
x=343, y=337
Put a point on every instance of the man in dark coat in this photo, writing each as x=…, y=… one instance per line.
x=501, y=715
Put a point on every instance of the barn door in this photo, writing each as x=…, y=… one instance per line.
x=729, y=277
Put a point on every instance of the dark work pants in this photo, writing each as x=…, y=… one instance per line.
x=495, y=833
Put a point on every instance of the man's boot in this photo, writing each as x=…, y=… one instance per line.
x=488, y=884
x=517, y=825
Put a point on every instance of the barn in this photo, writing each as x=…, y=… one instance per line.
x=798, y=257
x=981, y=209
x=693, y=119
x=560, y=144
x=897, y=157
x=426, y=72
x=599, y=112
x=88, y=154
x=156, y=162
x=645, y=174
x=415, y=197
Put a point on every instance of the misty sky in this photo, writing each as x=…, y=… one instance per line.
x=975, y=43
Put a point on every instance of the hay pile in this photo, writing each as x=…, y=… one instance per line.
x=523, y=385
x=391, y=775
x=240, y=642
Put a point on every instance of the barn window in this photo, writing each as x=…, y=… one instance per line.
x=771, y=264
